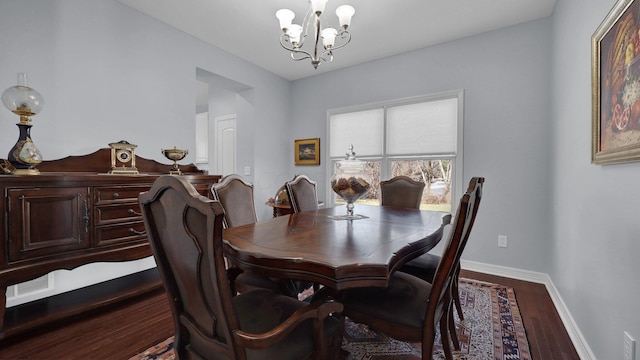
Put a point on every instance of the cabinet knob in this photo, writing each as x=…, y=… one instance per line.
x=116, y=195
x=133, y=212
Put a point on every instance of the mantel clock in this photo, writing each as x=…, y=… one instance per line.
x=123, y=158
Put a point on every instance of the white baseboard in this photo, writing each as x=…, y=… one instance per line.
x=579, y=342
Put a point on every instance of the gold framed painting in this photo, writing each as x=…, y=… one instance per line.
x=615, y=82
x=306, y=151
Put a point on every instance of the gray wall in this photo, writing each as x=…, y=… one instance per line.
x=594, y=250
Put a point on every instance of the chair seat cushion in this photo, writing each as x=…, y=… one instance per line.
x=423, y=266
x=261, y=310
x=248, y=281
x=398, y=309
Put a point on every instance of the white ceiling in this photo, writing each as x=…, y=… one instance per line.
x=379, y=28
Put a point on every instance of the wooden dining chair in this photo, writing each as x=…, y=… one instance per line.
x=185, y=234
x=302, y=193
x=411, y=309
x=303, y=196
x=425, y=266
x=404, y=192
x=236, y=197
x=401, y=192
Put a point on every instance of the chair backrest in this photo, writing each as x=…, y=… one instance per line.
x=185, y=234
x=236, y=197
x=439, y=298
x=302, y=193
x=401, y=192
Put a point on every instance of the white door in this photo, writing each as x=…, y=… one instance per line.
x=225, y=145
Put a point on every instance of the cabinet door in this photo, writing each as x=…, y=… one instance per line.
x=45, y=221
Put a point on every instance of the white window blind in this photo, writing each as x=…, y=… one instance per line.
x=422, y=128
x=363, y=129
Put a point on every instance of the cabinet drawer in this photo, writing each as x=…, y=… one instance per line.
x=109, y=214
x=120, y=233
x=118, y=194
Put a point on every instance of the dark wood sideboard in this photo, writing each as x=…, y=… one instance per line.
x=72, y=214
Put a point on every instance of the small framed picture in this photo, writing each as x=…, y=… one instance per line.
x=306, y=151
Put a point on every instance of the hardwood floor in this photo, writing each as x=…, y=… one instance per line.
x=547, y=336
x=124, y=330
x=114, y=332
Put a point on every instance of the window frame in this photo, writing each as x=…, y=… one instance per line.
x=385, y=160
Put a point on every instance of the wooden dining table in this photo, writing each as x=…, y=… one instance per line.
x=340, y=254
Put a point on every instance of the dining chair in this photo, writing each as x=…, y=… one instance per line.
x=185, y=234
x=236, y=197
x=303, y=196
x=425, y=265
x=410, y=309
x=302, y=193
x=404, y=192
x=401, y=192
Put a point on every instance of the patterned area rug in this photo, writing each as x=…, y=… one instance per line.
x=491, y=330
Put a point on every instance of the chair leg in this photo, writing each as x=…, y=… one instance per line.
x=444, y=337
x=456, y=293
x=428, y=339
x=452, y=329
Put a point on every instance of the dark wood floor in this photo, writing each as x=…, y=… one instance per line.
x=548, y=339
x=122, y=331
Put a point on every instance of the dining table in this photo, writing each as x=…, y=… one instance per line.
x=321, y=247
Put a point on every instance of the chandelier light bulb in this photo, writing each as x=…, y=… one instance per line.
x=285, y=16
x=318, y=6
x=329, y=37
x=294, y=32
x=345, y=12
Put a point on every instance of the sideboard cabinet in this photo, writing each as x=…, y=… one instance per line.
x=66, y=218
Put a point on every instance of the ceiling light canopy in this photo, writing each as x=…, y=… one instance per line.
x=293, y=35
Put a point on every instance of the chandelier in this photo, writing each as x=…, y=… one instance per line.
x=293, y=35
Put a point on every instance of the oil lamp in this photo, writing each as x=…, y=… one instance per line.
x=24, y=102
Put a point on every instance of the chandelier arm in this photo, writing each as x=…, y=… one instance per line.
x=292, y=50
x=305, y=22
x=306, y=55
x=343, y=34
x=329, y=52
x=327, y=60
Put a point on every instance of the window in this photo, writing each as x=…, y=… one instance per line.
x=418, y=137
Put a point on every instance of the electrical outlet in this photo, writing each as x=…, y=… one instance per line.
x=247, y=170
x=502, y=240
x=629, y=347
